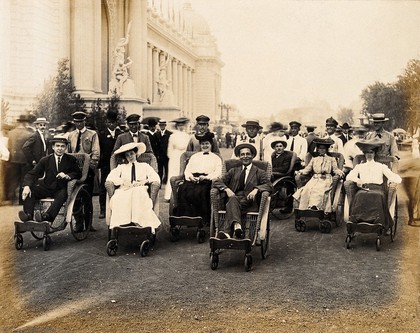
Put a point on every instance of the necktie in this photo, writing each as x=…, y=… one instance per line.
x=379, y=135
x=206, y=153
x=241, y=185
x=58, y=161
x=135, y=137
x=133, y=172
x=251, y=140
x=79, y=139
x=293, y=144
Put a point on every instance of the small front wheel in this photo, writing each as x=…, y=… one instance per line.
x=174, y=234
x=46, y=242
x=112, y=247
x=248, y=262
x=201, y=236
x=18, y=241
x=378, y=244
x=144, y=248
x=325, y=227
x=214, y=260
x=300, y=225
x=348, y=240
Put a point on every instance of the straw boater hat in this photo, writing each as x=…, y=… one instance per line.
x=41, y=120
x=238, y=148
x=273, y=144
x=371, y=144
x=139, y=146
x=59, y=138
x=379, y=117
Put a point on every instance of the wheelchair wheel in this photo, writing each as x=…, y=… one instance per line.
x=248, y=262
x=112, y=247
x=81, y=219
x=39, y=235
x=201, y=236
x=144, y=248
x=378, y=244
x=300, y=225
x=266, y=242
x=46, y=243
x=348, y=241
x=18, y=241
x=214, y=260
x=174, y=234
x=325, y=226
x=284, y=188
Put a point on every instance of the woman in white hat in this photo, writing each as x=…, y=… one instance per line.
x=131, y=201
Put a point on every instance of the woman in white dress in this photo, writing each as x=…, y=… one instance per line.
x=131, y=202
x=316, y=193
x=178, y=142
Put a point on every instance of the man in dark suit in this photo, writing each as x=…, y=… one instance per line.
x=133, y=135
x=57, y=168
x=310, y=138
x=107, y=139
x=153, y=138
x=242, y=185
x=163, y=159
x=345, y=134
x=35, y=147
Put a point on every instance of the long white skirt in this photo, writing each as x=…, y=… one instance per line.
x=133, y=205
x=316, y=192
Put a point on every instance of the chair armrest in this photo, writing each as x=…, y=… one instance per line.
x=110, y=188
x=70, y=188
x=154, y=191
x=175, y=182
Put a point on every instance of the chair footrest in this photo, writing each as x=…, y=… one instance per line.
x=230, y=243
x=32, y=226
x=364, y=227
x=188, y=221
x=309, y=213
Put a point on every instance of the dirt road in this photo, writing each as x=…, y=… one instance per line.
x=309, y=283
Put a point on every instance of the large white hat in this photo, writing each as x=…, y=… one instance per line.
x=141, y=148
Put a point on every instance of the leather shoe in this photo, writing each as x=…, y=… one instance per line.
x=24, y=217
x=43, y=217
x=238, y=230
x=102, y=215
x=92, y=229
x=222, y=235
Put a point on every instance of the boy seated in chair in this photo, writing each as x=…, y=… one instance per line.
x=57, y=169
x=241, y=184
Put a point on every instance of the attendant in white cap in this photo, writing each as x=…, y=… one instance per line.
x=351, y=150
x=163, y=134
x=177, y=145
x=331, y=126
x=297, y=144
x=131, y=202
x=390, y=148
x=35, y=147
x=83, y=140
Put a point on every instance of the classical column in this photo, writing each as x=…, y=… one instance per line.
x=180, y=88
x=185, y=88
x=189, y=79
x=149, y=72
x=175, y=80
x=169, y=75
x=193, y=108
x=155, y=69
x=86, y=45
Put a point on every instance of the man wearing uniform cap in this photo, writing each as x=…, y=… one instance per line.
x=35, y=147
x=252, y=128
x=202, y=127
x=390, y=148
x=83, y=140
x=297, y=144
x=133, y=135
x=163, y=134
x=107, y=140
x=331, y=125
x=56, y=169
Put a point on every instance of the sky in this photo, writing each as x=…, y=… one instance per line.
x=286, y=54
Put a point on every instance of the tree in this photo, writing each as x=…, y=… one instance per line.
x=57, y=101
x=388, y=99
x=409, y=84
x=345, y=115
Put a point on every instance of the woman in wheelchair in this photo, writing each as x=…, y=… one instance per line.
x=365, y=186
x=202, y=168
x=316, y=193
x=131, y=202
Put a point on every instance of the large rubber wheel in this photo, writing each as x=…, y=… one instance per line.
x=378, y=244
x=214, y=260
x=201, y=236
x=18, y=241
x=348, y=241
x=283, y=191
x=265, y=243
x=111, y=247
x=144, y=248
x=46, y=243
x=248, y=262
x=300, y=225
x=174, y=234
x=82, y=215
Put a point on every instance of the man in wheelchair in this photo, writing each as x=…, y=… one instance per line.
x=365, y=186
x=242, y=186
x=57, y=169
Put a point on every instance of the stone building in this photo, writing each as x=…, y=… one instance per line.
x=162, y=58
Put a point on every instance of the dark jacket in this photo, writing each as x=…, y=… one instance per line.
x=107, y=143
x=281, y=164
x=47, y=166
x=126, y=137
x=33, y=148
x=155, y=142
x=17, y=138
x=164, y=140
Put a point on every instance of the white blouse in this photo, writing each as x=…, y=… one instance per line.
x=372, y=172
x=123, y=173
x=209, y=164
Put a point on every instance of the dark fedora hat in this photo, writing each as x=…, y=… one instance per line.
x=283, y=142
x=238, y=148
x=277, y=126
x=111, y=115
x=208, y=136
x=345, y=126
x=323, y=142
x=254, y=123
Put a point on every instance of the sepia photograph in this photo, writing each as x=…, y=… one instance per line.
x=210, y=166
